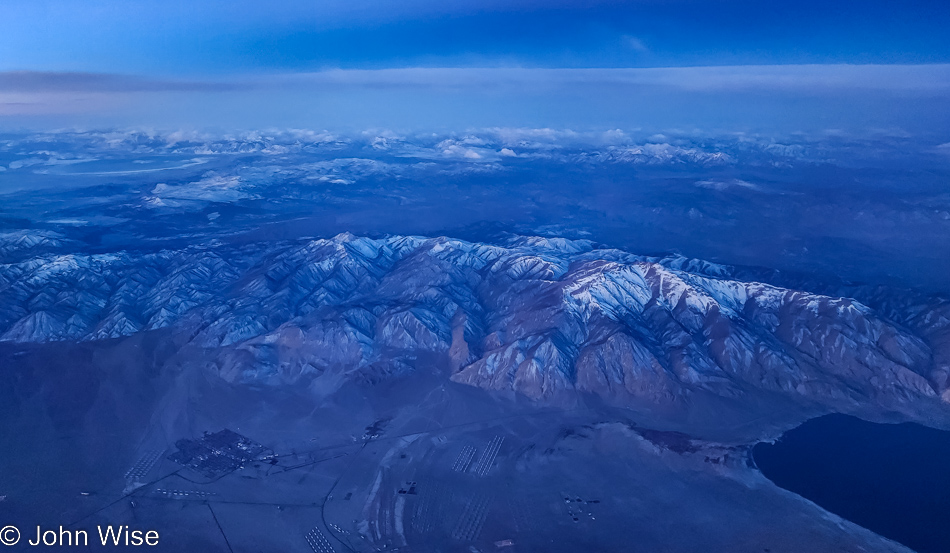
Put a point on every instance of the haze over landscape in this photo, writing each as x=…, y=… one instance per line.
x=362, y=276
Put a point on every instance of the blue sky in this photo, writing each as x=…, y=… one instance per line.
x=153, y=61
x=176, y=37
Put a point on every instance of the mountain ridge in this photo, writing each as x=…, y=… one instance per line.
x=545, y=318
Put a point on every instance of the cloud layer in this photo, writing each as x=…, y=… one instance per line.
x=724, y=98
x=934, y=78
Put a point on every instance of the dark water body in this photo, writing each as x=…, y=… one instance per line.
x=893, y=479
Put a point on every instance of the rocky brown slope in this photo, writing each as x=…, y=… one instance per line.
x=544, y=318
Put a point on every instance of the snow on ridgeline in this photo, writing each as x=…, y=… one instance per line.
x=542, y=317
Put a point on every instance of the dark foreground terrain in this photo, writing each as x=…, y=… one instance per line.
x=437, y=395
x=418, y=464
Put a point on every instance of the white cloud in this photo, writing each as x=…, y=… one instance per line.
x=726, y=184
x=455, y=149
x=211, y=188
x=634, y=43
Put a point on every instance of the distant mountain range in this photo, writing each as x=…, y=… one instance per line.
x=546, y=318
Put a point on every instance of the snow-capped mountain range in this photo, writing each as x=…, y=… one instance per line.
x=547, y=318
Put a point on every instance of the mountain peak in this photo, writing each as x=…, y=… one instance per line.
x=547, y=318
